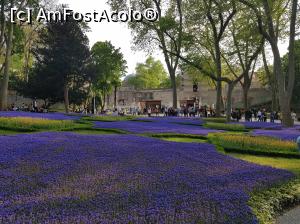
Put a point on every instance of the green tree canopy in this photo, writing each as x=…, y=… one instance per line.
x=108, y=66
x=61, y=55
x=149, y=75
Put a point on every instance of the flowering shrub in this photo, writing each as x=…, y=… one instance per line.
x=33, y=124
x=155, y=127
x=259, y=145
x=49, y=116
x=69, y=178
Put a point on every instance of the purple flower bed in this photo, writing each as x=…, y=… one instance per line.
x=50, y=116
x=176, y=120
x=260, y=125
x=155, y=127
x=288, y=134
x=69, y=178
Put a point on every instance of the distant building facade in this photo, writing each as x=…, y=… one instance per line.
x=188, y=94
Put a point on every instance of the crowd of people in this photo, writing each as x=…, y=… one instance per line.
x=260, y=115
x=33, y=107
x=185, y=111
x=253, y=114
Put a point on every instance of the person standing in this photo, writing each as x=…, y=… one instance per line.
x=149, y=112
x=259, y=115
x=272, y=117
x=34, y=105
x=294, y=116
x=239, y=115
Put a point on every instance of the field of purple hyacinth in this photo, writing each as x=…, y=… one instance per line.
x=70, y=178
x=50, y=116
x=176, y=120
x=289, y=134
x=261, y=125
x=163, y=126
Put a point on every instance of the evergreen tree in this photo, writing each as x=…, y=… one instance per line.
x=61, y=54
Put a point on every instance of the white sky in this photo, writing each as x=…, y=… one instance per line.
x=118, y=33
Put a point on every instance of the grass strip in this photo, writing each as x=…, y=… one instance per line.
x=226, y=127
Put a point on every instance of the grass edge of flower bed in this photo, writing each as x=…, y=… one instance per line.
x=226, y=127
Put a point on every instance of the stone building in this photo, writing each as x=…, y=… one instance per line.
x=128, y=97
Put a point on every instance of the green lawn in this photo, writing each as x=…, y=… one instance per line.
x=98, y=131
x=8, y=132
x=184, y=139
x=292, y=165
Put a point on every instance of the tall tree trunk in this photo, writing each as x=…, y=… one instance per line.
x=115, y=97
x=66, y=98
x=218, y=63
x=287, y=118
x=229, y=101
x=246, y=97
x=285, y=82
x=174, y=89
x=7, y=64
x=286, y=114
x=274, y=99
x=103, y=102
x=108, y=100
x=219, y=99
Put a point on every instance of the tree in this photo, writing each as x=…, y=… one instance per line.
x=166, y=32
x=207, y=53
x=268, y=79
x=62, y=53
x=9, y=34
x=296, y=92
x=149, y=75
x=244, y=45
x=207, y=40
x=108, y=66
x=41, y=84
x=7, y=63
x=266, y=16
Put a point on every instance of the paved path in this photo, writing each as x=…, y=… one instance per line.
x=291, y=217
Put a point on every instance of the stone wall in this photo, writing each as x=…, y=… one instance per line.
x=128, y=97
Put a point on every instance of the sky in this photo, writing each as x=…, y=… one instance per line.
x=119, y=34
